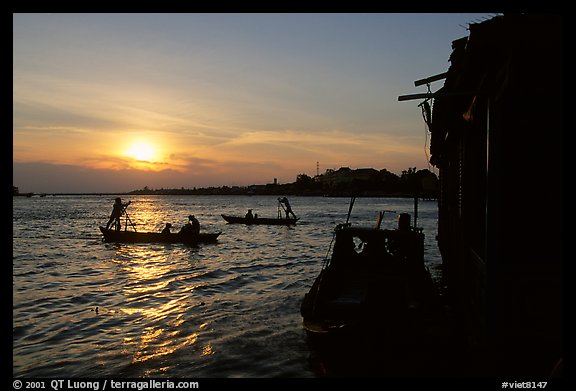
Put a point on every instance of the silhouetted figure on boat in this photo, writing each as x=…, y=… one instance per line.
x=249, y=214
x=193, y=226
x=288, y=208
x=166, y=229
x=117, y=211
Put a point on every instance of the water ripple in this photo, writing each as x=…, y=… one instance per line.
x=84, y=308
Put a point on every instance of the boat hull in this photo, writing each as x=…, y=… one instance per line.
x=379, y=291
x=112, y=236
x=258, y=220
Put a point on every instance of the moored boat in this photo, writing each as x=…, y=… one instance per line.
x=126, y=236
x=259, y=220
x=374, y=285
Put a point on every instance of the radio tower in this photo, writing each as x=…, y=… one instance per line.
x=317, y=168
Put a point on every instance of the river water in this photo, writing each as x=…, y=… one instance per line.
x=85, y=308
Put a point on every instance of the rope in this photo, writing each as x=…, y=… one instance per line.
x=427, y=116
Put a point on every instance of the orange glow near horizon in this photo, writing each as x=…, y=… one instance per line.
x=252, y=155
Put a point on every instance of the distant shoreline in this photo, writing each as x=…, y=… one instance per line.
x=341, y=183
x=34, y=195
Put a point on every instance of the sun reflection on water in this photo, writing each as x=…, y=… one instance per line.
x=153, y=293
x=207, y=350
x=154, y=344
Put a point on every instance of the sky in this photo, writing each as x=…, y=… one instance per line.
x=116, y=102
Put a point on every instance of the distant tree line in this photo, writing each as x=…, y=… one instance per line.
x=342, y=182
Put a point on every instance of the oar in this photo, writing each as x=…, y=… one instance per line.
x=350, y=209
x=128, y=218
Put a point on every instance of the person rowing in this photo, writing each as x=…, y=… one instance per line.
x=117, y=211
x=193, y=226
x=288, y=208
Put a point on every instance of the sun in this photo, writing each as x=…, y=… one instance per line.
x=141, y=151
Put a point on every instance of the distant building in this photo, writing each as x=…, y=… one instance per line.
x=347, y=176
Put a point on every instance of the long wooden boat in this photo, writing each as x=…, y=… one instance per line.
x=259, y=220
x=114, y=236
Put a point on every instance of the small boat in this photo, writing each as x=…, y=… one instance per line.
x=259, y=220
x=375, y=285
x=113, y=236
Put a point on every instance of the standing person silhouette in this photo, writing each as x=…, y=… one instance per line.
x=286, y=203
x=117, y=210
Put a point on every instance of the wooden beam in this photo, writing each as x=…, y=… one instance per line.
x=434, y=95
x=416, y=96
x=430, y=79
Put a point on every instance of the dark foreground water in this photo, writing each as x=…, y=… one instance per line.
x=229, y=309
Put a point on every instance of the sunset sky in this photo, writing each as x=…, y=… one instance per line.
x=116, y=102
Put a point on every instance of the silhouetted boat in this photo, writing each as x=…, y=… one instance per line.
x=374, y=285
x=259, y=220
x=125, y=236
